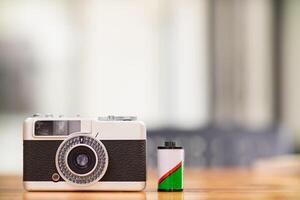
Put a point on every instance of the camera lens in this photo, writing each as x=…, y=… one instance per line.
x=81, y=159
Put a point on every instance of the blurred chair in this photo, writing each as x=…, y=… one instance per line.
x=222, y=146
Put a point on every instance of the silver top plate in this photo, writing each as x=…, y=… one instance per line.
x=117, y=118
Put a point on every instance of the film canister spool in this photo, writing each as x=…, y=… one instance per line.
x=170, y=159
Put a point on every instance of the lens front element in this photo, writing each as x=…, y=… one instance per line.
x=81, y=159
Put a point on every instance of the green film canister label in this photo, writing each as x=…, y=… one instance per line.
x=170, y=169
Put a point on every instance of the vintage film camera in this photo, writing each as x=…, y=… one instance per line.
x=90, y=154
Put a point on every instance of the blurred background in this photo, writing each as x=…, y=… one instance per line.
x=220, y=77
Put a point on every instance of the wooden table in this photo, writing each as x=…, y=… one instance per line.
x=199, y=184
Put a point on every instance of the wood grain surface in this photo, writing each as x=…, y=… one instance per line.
x=199, y=184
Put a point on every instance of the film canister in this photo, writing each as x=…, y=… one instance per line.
x=170, y=160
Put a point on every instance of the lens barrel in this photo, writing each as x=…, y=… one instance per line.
x=81, y=159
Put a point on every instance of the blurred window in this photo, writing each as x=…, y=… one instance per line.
x=145, y=58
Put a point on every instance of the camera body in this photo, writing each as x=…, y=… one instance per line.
x=84, y=154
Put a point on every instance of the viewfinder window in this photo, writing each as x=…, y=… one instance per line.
x=59, y=127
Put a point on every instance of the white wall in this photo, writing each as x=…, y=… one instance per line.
x=152, y=66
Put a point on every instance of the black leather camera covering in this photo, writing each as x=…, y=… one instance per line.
x=127, y=160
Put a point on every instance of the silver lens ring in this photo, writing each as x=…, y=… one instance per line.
x=81, y=140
